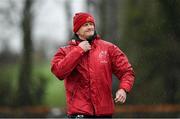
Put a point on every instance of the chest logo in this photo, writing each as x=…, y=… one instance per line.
x=103, y=57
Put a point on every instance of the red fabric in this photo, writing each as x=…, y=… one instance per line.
x=88, y=76
x=80, y=18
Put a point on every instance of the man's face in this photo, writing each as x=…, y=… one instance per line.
x=86, y=30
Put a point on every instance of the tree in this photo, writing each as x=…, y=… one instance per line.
x=171, y=27
x=25, y=77
x=108, y=18
x=151, y=38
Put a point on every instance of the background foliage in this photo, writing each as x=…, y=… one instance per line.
x=147, y=32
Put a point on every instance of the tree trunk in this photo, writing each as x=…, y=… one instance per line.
x=25, y=77
x=111, y=29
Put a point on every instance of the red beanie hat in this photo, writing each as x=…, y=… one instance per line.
x=81, y=18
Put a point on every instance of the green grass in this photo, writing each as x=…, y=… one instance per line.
x=54, y=95
x=54, y=91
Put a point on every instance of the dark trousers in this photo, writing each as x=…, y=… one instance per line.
x=87, y=116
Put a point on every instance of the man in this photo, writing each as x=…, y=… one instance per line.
x=86, y=66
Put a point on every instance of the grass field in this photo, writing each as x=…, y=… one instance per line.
x=54, y=95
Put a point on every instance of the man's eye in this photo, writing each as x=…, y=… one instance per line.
x=86, y=24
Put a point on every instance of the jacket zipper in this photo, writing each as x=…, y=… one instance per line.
x=90, y=81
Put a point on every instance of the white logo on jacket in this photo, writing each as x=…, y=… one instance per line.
x=103, y=57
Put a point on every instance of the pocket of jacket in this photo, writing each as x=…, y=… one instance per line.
x=73, y=93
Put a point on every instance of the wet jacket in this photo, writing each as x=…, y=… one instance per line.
x=88, y=76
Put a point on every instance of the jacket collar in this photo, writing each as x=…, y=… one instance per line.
x=90, y=39
x=76, y=40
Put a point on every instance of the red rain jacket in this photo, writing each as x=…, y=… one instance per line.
x=88, y=76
